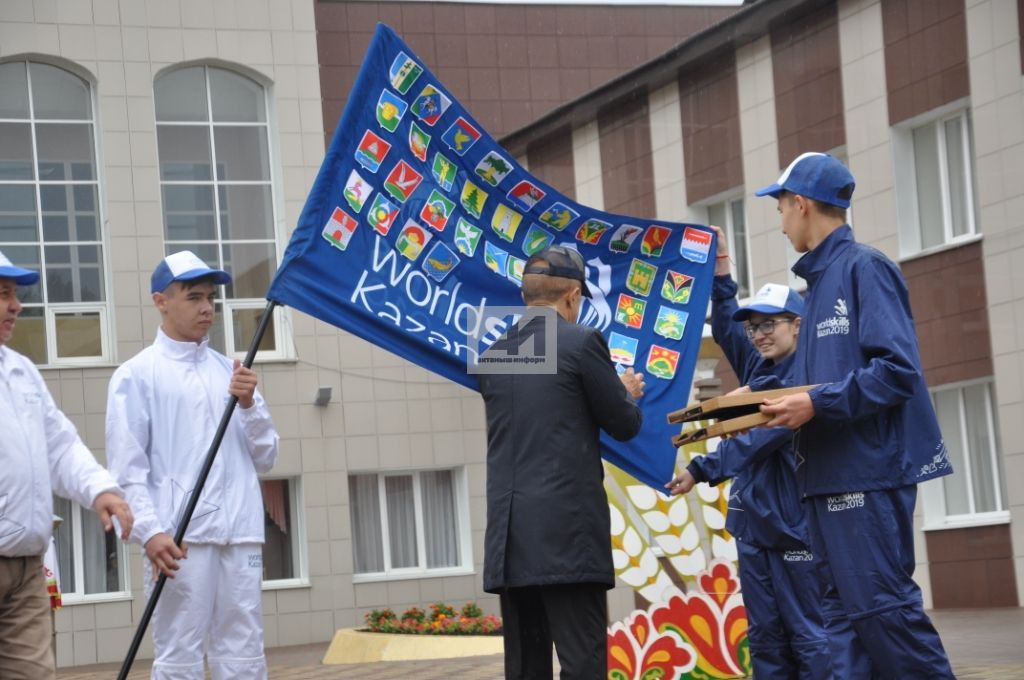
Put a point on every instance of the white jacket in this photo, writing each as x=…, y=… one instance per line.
x=163, y=408
x=40, y=454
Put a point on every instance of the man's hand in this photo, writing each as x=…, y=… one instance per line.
x=681, y=483
x=790, y=411
x=739, y=390
x=634, y=383
x=243, y=385
x=722, y=261
x=109, y=505
x=163, y=554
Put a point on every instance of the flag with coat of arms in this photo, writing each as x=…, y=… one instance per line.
x=418, y=220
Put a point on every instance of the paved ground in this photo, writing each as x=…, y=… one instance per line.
x=984, y=644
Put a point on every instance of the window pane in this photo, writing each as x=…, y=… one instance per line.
x=241, y=154
x=78, y=335
x=184, y=153
x=245, y=212
x=367, y=543
x=401, y=521
x=929, y=188
x=947, y=408
x=440, y=531
x=739, y=245
x=74, y=274
x=59, y=94
x=100, y=556
x=15, y=151
x=64, y=537
x=61, y=224
x=236, y=98
x=181, y=96
x=716, y=215
x=30, y=333
x=13, y=91
x=984, y=477
x=957, y=169
x=251, y=266
x=189, y=213
x=65, y=151
x=277, y=546
x=245, y=323
x=17, y=214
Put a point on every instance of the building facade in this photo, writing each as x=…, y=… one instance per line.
x=131, y=129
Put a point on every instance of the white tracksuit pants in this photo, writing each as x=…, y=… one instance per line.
x=212, y=606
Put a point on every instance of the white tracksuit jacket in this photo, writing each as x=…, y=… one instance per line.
x=163, y=408
x=40, y=454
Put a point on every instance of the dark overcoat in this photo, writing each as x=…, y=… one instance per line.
x=547, y=512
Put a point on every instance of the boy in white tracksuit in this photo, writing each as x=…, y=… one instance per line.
x=163, y=408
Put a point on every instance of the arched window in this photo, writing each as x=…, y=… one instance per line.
x=217, y=190
x=50, y=217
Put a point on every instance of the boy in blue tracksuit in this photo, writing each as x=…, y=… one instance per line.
x=778, y=572
x=867, y=434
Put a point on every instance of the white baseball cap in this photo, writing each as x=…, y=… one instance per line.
x=183, y=266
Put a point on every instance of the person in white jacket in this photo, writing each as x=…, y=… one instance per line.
x=40, y=454
x=163, y=408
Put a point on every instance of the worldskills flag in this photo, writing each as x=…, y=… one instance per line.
x=418, y=221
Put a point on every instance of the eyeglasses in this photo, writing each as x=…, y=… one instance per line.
x=767, y=327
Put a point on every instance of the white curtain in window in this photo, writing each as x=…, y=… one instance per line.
x=929, y=186
x=439, y=519
x=367, y=539
x=983, y=477
x=401, y=520
x=947, y=408
x=65, y=537
x=99, y=556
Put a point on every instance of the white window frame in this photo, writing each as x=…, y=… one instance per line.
x=461, y=490
x=905, y=180
x=933, y=495
x=53, y=309
x=285, y=349
x=300, y=544
x=727, y=201
x=69, y=598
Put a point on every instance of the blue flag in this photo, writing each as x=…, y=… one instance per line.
x=418, y=220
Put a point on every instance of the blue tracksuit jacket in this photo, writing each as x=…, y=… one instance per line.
x=874, y=426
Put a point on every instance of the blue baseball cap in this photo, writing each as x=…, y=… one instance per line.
x=22, y=277
x=815, y=175
x=772, y=299
x=184, y=266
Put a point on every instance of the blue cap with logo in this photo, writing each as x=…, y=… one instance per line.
x=773, y=298
x=22, y=277
x=815, y=175
x=184, y=266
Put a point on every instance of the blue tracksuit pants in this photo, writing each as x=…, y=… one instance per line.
x=873, y=609
x=787, y=631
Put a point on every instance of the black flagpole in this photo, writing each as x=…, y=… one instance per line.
x=197, y=489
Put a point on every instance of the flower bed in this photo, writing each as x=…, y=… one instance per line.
x=442, y=619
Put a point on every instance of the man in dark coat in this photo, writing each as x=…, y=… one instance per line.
x=547, y=547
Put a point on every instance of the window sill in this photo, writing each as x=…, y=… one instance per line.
x=411, y=576
x=934, y=250
x=71, y=599
x=286, y=584
x=966, y=522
